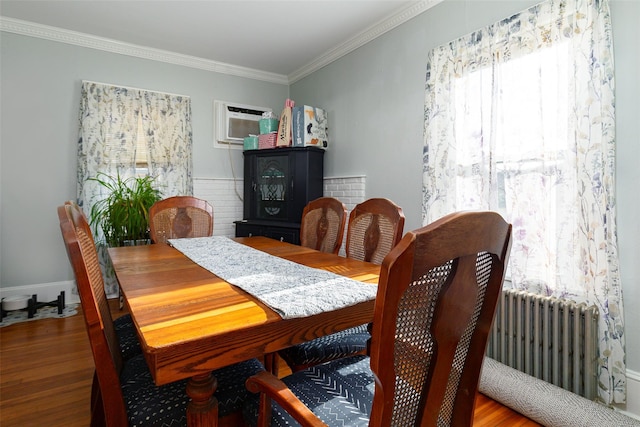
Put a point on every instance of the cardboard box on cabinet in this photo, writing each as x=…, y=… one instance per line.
x=309, y=127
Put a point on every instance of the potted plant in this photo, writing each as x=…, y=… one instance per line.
x=123, y=216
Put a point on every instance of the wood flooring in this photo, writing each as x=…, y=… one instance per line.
x=46, y=370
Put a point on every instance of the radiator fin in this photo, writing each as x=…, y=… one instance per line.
x=549, y=338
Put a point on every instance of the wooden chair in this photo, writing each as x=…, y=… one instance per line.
x=179, y=217
x=123, y=391
x=322, y=224
x=375, y=227
x=436, y=300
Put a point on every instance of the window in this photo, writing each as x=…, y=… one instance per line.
x=128, y=132
x=524, y=130
x=520, y=119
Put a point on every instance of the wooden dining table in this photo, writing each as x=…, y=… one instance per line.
x=191, y=322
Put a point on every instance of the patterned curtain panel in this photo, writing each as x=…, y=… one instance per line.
x=519, y=118
x=116, y=125
x=166, y=120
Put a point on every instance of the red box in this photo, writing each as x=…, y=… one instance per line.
x=267, y=140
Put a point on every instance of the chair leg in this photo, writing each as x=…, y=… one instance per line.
x=95, y=392
x=97, y=409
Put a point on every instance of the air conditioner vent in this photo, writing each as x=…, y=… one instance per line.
x=233, y=122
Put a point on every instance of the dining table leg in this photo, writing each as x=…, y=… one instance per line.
x=202, y=410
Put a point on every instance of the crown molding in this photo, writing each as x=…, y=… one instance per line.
x=46, y=32
x=31, y=29
x=371, y=33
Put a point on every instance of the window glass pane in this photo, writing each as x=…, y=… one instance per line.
x=511, y=125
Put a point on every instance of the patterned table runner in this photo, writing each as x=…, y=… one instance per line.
x=292, y=290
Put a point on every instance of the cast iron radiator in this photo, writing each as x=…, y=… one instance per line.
x=553, y=339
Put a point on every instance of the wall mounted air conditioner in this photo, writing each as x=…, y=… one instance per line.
x=233, y=122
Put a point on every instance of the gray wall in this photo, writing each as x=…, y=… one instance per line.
x=40, y=95
x=375, y=99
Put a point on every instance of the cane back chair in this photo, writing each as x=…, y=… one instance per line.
x=375, y=227
x=436, y=300
x=123, y=391
x=322, y=224
x=178, y=217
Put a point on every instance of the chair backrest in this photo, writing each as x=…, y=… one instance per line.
x=180, y=216
x=436, y=300
x=375, y=227
x=83, y=256
x=322, y=224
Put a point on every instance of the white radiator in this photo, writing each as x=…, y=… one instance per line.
x=552, y=339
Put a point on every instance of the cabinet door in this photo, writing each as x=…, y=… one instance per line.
x=267, y=182
x=306, y=180
x=273, y=184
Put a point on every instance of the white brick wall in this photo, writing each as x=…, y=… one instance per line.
x=350, y=191
x=227, y=205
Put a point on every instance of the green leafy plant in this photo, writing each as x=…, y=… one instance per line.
x=123, y=216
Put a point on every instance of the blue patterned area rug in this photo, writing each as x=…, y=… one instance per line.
x=17, y=316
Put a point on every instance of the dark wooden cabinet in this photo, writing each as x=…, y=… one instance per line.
x=278, y=183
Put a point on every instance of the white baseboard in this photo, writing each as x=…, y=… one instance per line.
x=632, y=407
x=45, y=291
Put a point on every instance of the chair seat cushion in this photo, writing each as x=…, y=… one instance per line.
x=329, y=347
x=339, y=392
x=150, y=405
x=127, y=336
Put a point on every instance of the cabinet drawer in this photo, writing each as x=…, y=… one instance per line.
x=285, y=232
x=248, y=230
x=290, y=236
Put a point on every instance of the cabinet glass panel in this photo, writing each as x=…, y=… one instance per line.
x=272, y=178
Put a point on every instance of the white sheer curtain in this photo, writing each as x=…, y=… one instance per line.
x=111, y=118
x=519, y=118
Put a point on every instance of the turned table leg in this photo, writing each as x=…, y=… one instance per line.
x=203, y=407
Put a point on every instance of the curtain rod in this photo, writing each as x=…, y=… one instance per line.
x=134, y=88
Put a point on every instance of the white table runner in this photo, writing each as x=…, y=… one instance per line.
x=292, y=290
